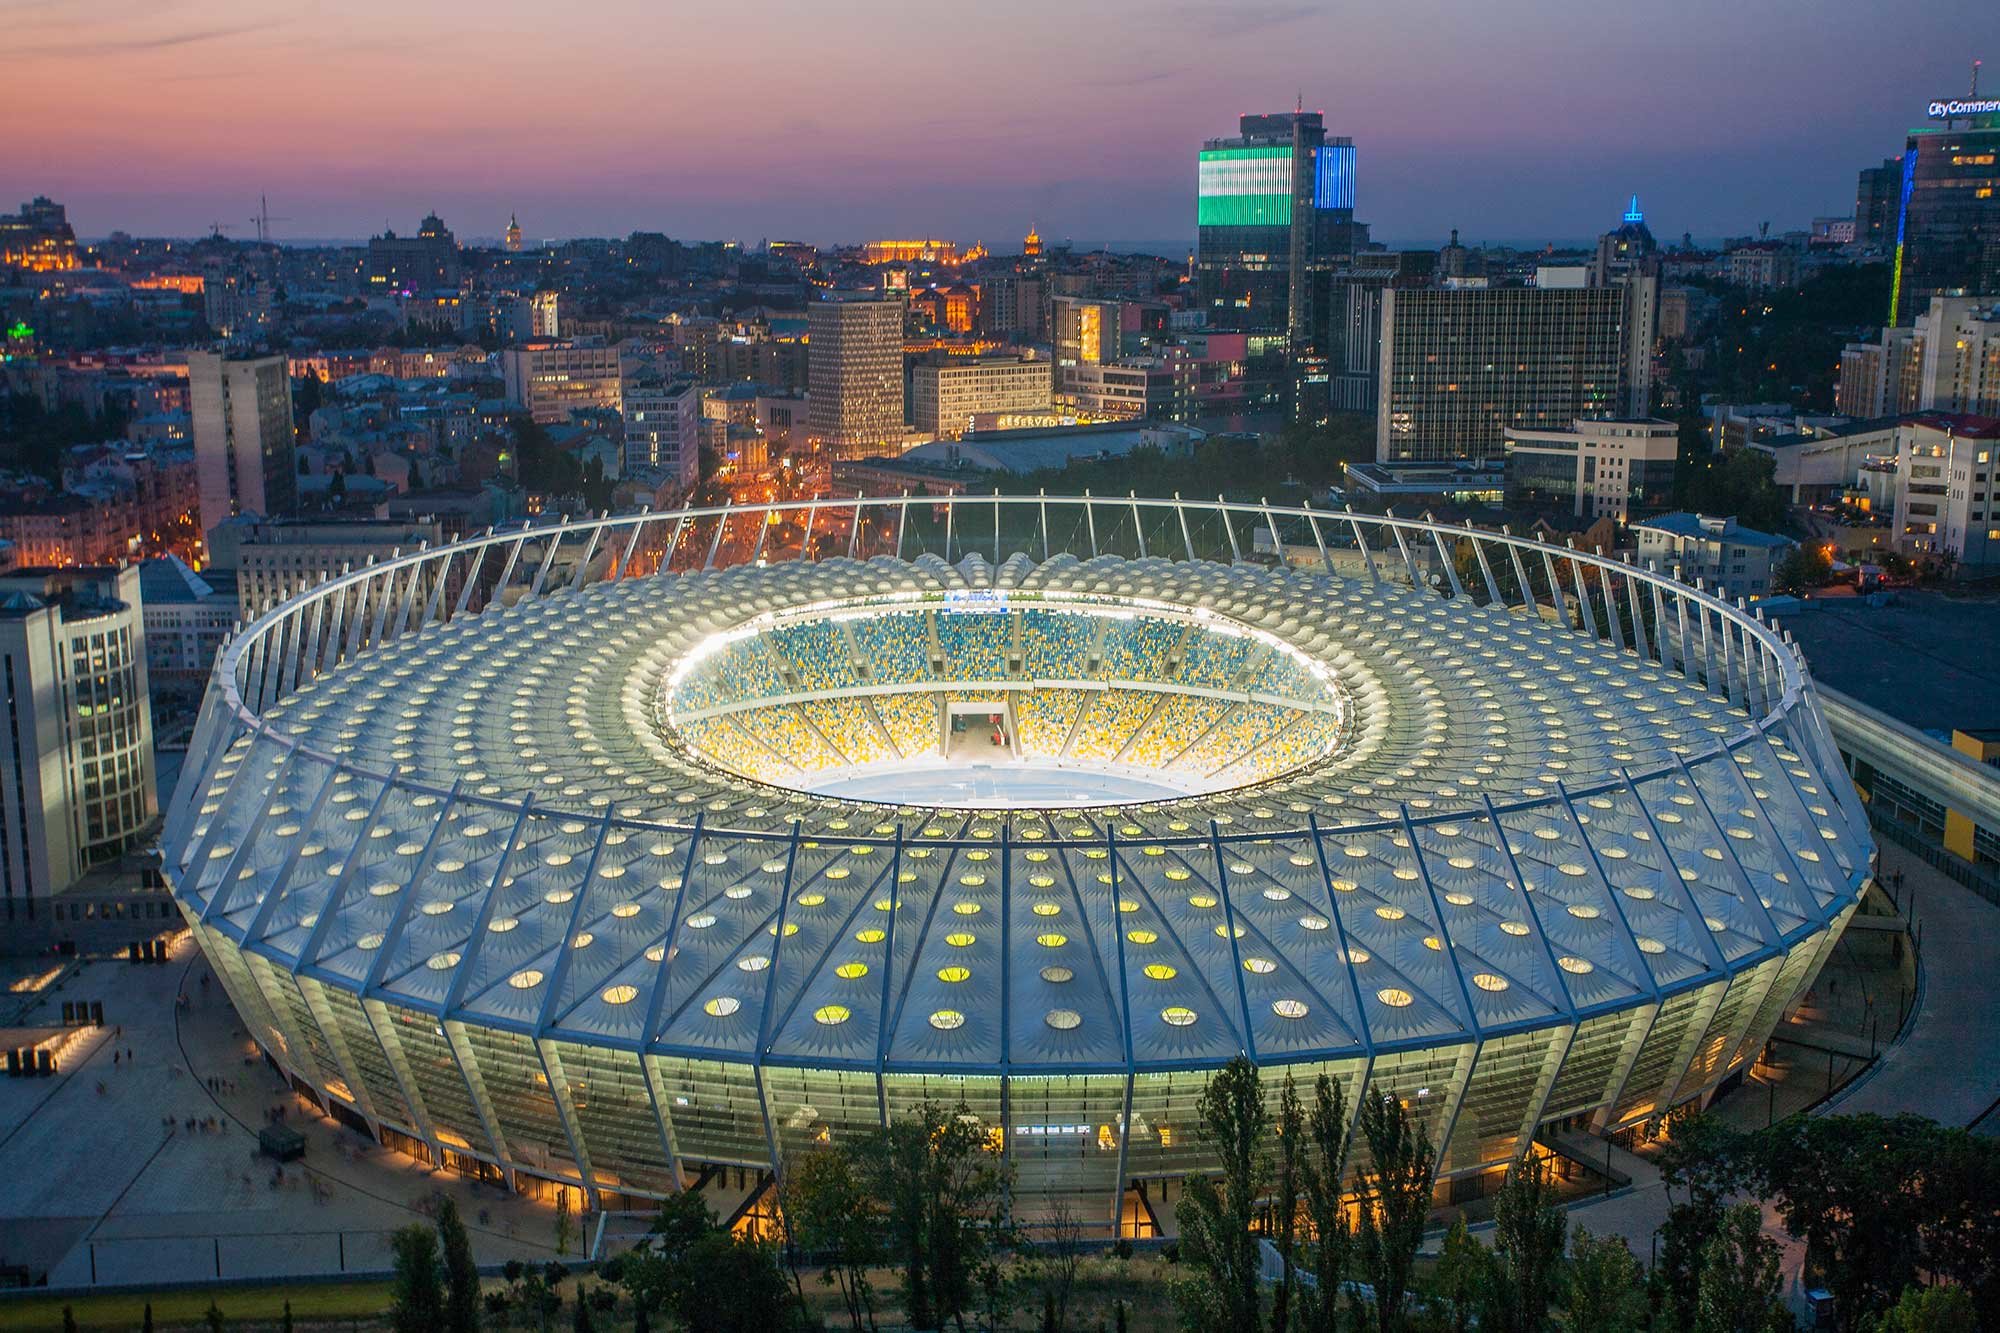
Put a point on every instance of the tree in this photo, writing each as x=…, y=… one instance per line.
x=1853, y=1188
x=939, y=1177
x=1932, y=1310
x=1739, y=1278
x=739, y=1290
x=416, y=1302
x=660, y=1266
x=1528, y=1250
x=827, y=1213
x=1055, y=1265
x=1804, y=568
x=1321, y=1179
x=1702, y=1166
x=1606, y=1287
x=1395, y=1200
x=565, y=1226
x=1216, y=1219
x=461, y=1273
x=213, y=1317
x=1462, y=1273
x=641, y=1321
x=1285, y=1203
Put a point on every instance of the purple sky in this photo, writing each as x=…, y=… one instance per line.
x=856, y=118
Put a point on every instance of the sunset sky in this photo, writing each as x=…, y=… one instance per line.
x=854, y=118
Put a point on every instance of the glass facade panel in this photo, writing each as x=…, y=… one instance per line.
x=614, y=1114
x=434, y=1071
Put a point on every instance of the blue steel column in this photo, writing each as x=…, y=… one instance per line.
x=1354, y=985
x=1458, y=974
x=888, y=969
x=656, y=1002
x=1235, y=952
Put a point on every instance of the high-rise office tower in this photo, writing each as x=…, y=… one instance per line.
x=854, y=374
x=1877, y=194
x=1274, y=204
x=244, y=443
x=1948, y=218
x=1463, y=366
x=78, y=776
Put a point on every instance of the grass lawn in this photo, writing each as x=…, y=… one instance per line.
x=239, y=1306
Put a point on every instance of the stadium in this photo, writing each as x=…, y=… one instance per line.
x=637, y=853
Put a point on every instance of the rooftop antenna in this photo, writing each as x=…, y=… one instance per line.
x=1974, y=94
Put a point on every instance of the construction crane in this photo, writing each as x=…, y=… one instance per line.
x=263, y=218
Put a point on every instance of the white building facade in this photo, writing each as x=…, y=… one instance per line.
x=76, y=773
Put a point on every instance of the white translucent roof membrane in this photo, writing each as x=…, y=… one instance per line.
x=502, y=819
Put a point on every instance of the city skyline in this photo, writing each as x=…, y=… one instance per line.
x=174, y=117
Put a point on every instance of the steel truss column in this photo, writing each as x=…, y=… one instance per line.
x=1561, y=1041
x=722, y=526
x=376, y=1015
x=475, y=561
x=1485, y=567
x=1409, y=561
x=475, y=1093
x=645, y=520
x=1319, y=540
x=1582, y=595
x=1693, y=1035
x=1367, y=556
x=314, y=997
x=589, y=554
x=1448, y=558
x=1617, y=631
x=1636, y=1036
x=1640, y=639
x=1521, y=577
x=552, y=1070
x=555, y=539
x=1555, y=587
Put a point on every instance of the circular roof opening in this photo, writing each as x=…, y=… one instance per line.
x=973, y=701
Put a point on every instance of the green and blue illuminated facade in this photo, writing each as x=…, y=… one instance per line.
x=1948, y=218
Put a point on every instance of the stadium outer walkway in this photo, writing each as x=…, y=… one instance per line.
x=1946, y=1065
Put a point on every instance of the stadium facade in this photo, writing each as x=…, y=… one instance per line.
x=541, y=856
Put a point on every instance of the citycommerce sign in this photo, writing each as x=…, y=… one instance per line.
x=1983, y=106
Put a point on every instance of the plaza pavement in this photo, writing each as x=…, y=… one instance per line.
x=101, y=1191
